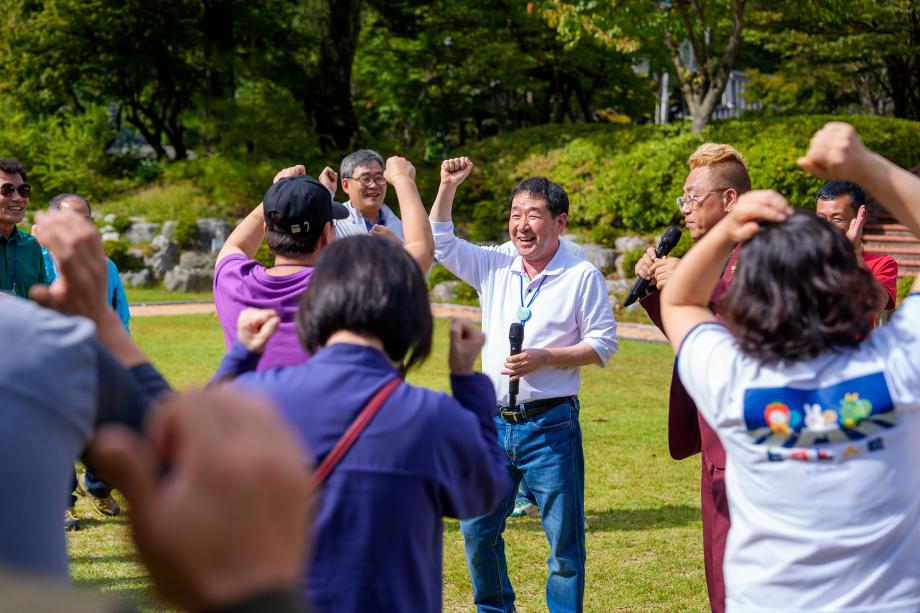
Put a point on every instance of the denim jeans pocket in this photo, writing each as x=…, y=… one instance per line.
x=555, y=418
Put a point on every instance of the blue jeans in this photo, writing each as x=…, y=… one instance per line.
x=94, y=487
x=545, y=452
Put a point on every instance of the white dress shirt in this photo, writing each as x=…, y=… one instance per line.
x=355, y=225
x=571, y=307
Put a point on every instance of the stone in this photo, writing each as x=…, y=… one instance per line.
x=142, y=232
x=211, y=234
x=618, y=287
x=110, y=218
x=141, y=278
x=164, y=258
x=181, y=279
x=169, y=230
x=603, y=258
x=198, y=259
x=446, y=291
x=110, y=236
x=630, y=243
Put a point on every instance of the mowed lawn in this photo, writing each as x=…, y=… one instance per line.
x=644, y=542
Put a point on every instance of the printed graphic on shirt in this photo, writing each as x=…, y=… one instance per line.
x=791, y=422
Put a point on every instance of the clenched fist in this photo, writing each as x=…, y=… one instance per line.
x=455, y=170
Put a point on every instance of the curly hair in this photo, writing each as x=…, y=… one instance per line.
x=798, y=292
x=726, y=162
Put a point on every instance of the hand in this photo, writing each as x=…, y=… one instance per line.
x=385, y=232
x=752, y=207
x=524, y=363
x=291, y=171
x=455, y=170
x=397, y=166
x=855, y=231
x=835, y=152
x=80, y=288
x=466, y=341
x=663, y=269
x=231, y=516
x=329, y=179
x=645, y=263
x=255, y=327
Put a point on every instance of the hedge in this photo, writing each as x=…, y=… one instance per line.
x=624, y=179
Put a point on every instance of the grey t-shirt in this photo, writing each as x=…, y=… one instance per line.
x=48, y=383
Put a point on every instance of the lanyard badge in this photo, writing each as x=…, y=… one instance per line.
x=524, y=313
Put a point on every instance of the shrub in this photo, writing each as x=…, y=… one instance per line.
x=630, y=259
x=120, y=253
x=121, y=223
x=186, y=229
x=904, y=285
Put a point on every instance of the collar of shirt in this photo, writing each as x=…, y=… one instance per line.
x=16, y=235
x=347, y=353
x=556, y=265
x=380, y=222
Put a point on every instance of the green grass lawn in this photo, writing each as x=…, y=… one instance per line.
x=158, y=294
x=644, y=542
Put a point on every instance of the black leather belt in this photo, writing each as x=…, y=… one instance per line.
x=527, y=410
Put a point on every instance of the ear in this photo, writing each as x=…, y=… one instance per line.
x=328, y=234
x=344, y=184
x=730, y=199
x=562, y=219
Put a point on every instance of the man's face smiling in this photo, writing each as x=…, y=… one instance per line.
x=708, y=203
x=366, y=197
x=13, y=207
x=838, y=211
x=533, y=230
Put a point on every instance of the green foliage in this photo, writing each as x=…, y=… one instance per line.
x=682, y=246
x=186, y=228
x=630, y=259
x=904, y=286
x=121, y=223
x=119, y=251
x=465, y=294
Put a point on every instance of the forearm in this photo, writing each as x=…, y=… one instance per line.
x=237, y=361
x=442, y=208
x=416, y=229
x=581, y=354
x=247, y=236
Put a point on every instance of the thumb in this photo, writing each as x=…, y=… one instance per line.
x=128, y=463
x=808, y=165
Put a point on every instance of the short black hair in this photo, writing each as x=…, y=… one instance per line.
x=368, y=285
x=57, y=201
x=835, y=189
x=557, y=201
x=291, y=245
x=10, y=166
x=798, y=292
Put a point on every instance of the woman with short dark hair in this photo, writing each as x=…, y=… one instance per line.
x=819, y=417
x=366, y=320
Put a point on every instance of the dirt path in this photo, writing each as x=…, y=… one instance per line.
x=636, y=332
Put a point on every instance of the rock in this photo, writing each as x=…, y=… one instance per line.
x=181, y=279
x=169, y=230
x=109, y=218
x=446, y=291
x=141, y=278
x=142, y=232
x=198, y=259
x=110, y=236
x=618, y=287
x=164, y=258
x=211, y=234
x=630, y=243
x=603, y=258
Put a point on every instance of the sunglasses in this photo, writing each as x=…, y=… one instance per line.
x=7, y=189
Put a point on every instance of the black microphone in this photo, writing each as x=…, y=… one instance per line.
x=516, y=338
x=668, y=240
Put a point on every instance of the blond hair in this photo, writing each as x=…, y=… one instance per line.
x=726, y=162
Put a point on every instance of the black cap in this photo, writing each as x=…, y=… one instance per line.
x=300, y=205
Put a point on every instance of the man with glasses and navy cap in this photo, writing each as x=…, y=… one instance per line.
x=21, y=262
x=718, y=176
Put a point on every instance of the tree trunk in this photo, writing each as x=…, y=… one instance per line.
x=336, y=123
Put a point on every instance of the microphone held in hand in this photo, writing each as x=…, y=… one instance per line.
x=516, y=338
x=668, y=240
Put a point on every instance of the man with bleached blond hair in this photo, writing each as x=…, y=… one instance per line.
x=718, y=176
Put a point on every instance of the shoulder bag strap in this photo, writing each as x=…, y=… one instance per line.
x=351, y=435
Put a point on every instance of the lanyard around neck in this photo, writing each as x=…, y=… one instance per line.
x=523, y=312
x=15, y=261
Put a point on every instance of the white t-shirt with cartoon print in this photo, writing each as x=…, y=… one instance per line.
x=822, y=471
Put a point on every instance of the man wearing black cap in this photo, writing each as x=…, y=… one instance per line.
x=296, y=220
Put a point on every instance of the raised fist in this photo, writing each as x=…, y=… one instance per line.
x=466, y=341
x=291, y=171
x=329, y=179
x=455, y=170
x=398, y=166
x=835, y=152
x=753, y=207
x=255, y=327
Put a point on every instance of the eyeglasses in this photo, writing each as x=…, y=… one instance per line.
x=7, y=189
x=692, y=199
x=367, y=181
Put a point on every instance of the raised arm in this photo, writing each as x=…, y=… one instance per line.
x=453, y=173
x=837, y=152
x=248, y=235
x=685, y=300
x=400, y=173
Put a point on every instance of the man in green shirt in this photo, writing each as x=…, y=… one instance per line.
x=21, y=263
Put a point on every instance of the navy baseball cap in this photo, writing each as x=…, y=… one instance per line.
x=300, y=205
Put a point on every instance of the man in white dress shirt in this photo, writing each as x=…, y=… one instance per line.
x=363, y=181
x=562, y=302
